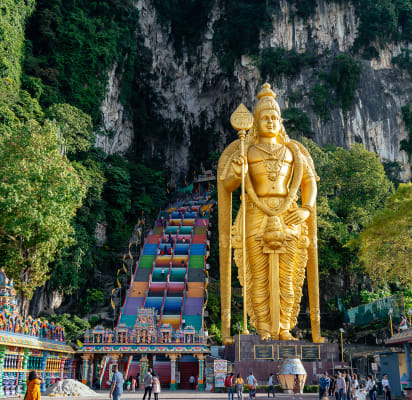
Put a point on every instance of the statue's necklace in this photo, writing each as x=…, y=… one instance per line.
x=273, y=158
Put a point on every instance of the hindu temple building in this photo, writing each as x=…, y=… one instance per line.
x=28, y=344
x=161, y=321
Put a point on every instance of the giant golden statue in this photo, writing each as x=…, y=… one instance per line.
x=274, y=234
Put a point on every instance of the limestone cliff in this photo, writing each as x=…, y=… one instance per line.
x=197, y=94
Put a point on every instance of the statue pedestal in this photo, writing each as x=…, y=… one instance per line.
x=264, y=356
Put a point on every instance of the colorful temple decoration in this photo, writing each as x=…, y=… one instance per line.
x=28, y=344
x=160, y=324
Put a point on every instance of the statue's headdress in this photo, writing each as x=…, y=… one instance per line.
x=266, y=101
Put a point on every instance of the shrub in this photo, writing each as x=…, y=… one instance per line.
x=321, y=99
x=344, y=78
x=276, y=61
x=297, y=123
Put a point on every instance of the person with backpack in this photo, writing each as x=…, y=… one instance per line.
x=271, y=385
x=239, y=387
x=229, y=385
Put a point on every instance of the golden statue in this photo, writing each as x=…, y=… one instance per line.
x=274, y=238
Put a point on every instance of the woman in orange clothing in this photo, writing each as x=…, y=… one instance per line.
x=33, y=388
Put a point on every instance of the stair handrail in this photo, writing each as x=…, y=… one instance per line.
x=128, y=366
x=102, y=372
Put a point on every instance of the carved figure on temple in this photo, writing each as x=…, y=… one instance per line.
x=280, y=228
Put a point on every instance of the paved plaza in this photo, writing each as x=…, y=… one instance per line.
x=184, y=395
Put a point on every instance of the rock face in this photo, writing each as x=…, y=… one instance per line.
x=117, y=128
x=200, y=97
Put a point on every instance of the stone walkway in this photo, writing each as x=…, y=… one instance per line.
x=184, y=395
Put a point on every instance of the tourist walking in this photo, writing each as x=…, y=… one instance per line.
x=33, y=388
x=386, y=387
x=296, y=387
x=117, y=383
x=271, y=385
x=147, y=381
x=229, y=384
x=239, y=387
x=251, y=384
x=156, y=386
x=324, y=384
x=355, y=385
x=371, y=387
x=341, y=387
x=348, y=382
x=133, y=384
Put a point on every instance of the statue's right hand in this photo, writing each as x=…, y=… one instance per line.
x=237, y=163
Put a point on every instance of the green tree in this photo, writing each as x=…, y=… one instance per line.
x=352, y=186
x=40, y=192
x=386, y=243
x=74, y=327
x=75, y=126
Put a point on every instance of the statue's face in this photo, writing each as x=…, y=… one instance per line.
x=269, y=124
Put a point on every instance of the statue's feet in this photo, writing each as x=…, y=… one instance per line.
x=286, y=335
x=264, y=335
x=319, y=339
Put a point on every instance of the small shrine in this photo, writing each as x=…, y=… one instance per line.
x=28, y=344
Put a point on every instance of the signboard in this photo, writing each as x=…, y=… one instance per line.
x=264, y=352
x=310, y=352
x=374, y=367
x=287, y=351
x=209, y=376
x=220, y=371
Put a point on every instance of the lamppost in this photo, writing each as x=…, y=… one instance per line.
x=238, y=327
x=410, y=315
x=341, y=341
x=390, y=312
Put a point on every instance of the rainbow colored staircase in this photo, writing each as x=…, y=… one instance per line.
x=172, y=280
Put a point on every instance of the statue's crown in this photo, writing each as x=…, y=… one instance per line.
x=266, y=91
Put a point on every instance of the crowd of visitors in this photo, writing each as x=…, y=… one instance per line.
x=342, y=386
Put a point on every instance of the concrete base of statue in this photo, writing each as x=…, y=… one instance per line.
x=265, y=356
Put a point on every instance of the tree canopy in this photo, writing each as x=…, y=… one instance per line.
x=386, y=243
x=40, y=192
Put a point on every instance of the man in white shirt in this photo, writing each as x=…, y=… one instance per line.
x=386, y=387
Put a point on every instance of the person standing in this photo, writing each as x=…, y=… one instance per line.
x=371, y=387
x=147, y=381
x=33, y=388
x=117, y=383
x=251, y=384
x=133, y=384
x=355, y=385
x=192, y=382
x=348, y=382
x=296, y=387
x=324, y=383
x=271, y=385
x=239, y=387
x=229, y=385
x=156, y=386
x=341, y=387
x=386, y=387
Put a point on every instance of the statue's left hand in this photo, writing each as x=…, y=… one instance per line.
x=297, y=216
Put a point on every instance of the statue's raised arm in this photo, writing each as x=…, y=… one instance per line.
x=280, y=229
